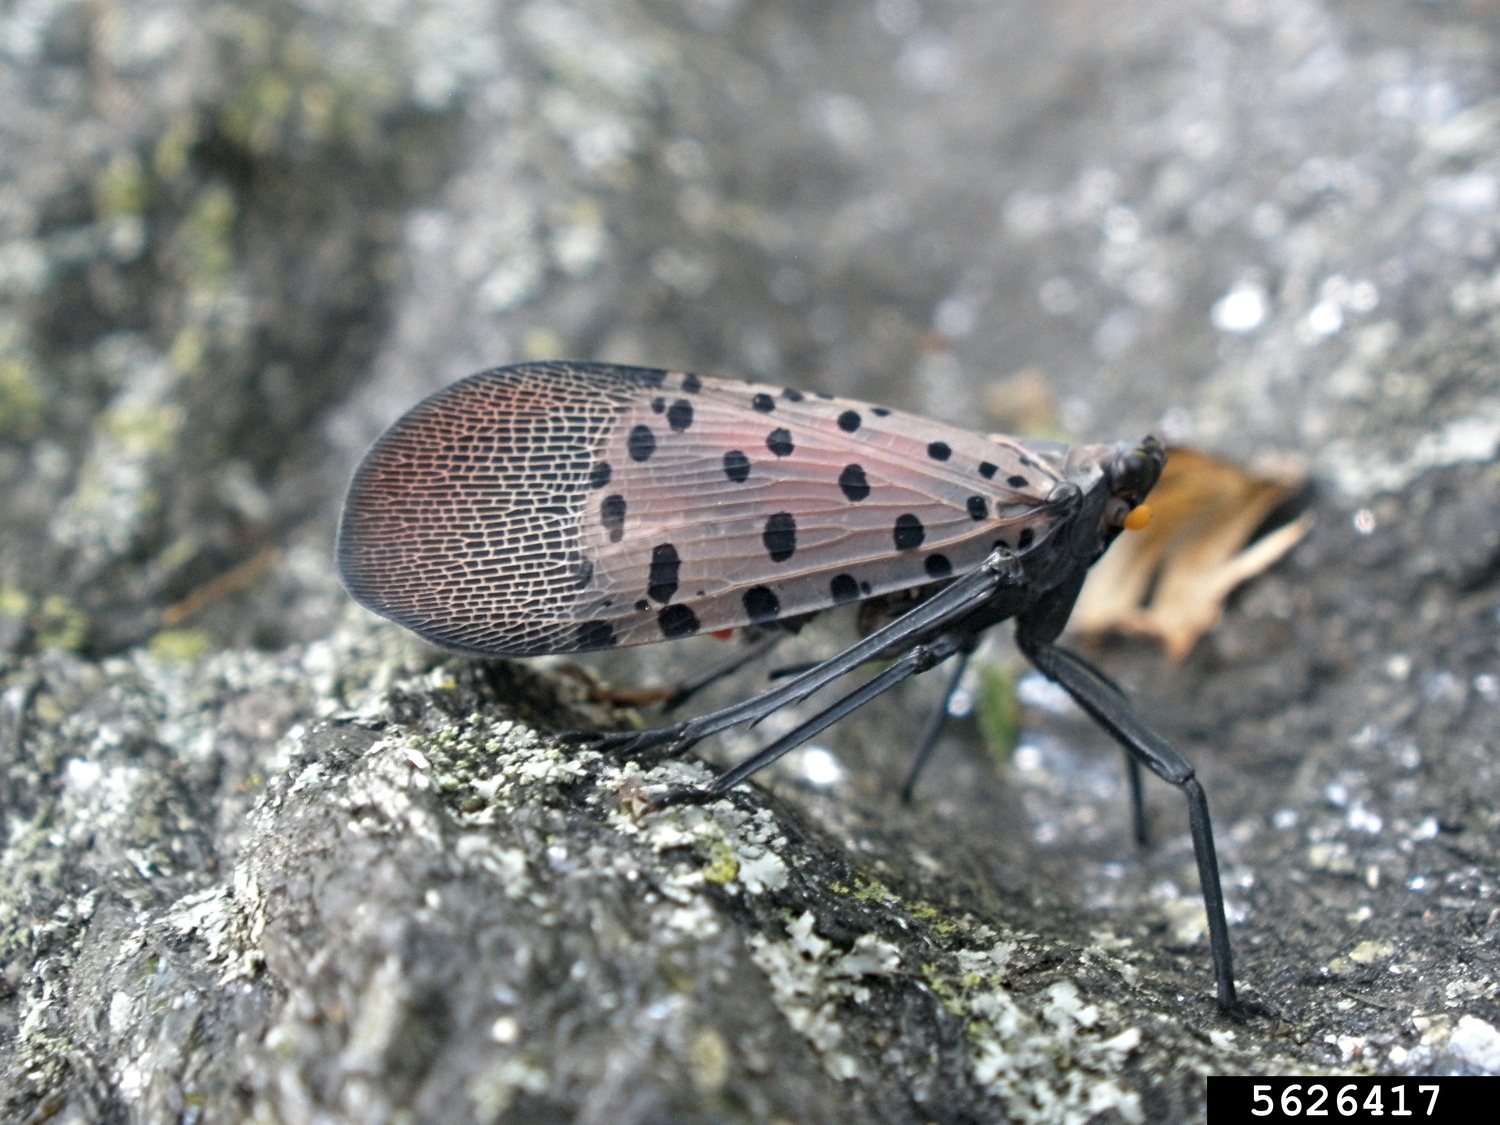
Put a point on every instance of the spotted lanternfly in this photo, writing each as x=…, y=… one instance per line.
x=571, y=507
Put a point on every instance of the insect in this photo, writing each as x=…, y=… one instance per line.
x=570, y=507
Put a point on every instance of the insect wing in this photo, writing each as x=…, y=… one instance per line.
x=462, y=522
x=743, y=503
x=569, y=507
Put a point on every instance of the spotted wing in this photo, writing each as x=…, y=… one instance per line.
x=566, y=507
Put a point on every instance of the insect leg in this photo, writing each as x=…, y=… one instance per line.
x=1137, y=800
x=692, y=686
x=1132, y=772
x=918, y=660
x=1092, y=691
x=948, y=605
x=787, y=671
x=934, y=728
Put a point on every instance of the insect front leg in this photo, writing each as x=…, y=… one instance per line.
x=1094, y=692
x=1132, y=775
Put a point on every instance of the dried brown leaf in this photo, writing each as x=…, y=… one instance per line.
x=1192, y=554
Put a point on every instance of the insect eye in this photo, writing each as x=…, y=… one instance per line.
x=1134, y=474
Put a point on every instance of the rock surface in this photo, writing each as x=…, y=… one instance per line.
x=268, y=859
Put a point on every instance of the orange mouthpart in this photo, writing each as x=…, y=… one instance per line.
x=1138, y=518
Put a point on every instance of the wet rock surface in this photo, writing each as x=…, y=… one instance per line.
x=269, y=859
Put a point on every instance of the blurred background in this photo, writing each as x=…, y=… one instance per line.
x=238, y=240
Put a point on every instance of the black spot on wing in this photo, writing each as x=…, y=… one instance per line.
x=792, y=395
x=1017, y=481
x=691, y=384
x=987, y=470
x=853, y=482
x=780, y=536
x=843, y=588
x=594, y=635
x=939, y=450
x=1027, y=535
x=583, y=574
x=849, y=421
x=642, y=443
x=600, y=474
x=612, y=515
x=761, y=603
x=664, y=567
x=658, y=405
x=879, y=411
x=642, y=606
x=736, y=466
x=909, y=532
x=677, y=621
x=937, y=566
x=979, y=507
x=680, y=416
x=779, y=442
x=764, y=403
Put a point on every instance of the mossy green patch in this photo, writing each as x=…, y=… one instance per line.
x=256, y=117
x=722, y=865
x=22, y=400
x=121, y=188
x=943, y=989
x=14, y=602
x=174, y=148
x=144, y=431
x=933, y=918
x=206, y=246
x=180, y=645
x=996, y=709
x=872, y=890
x=61, y=625
x=187, y=350
x=178, y=553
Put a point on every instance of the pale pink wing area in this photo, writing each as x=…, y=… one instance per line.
x=568, y=507
x=752, y=503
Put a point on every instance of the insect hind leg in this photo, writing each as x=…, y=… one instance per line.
x=691, y=686
x=1137, y=800
x=929, y=619
x=934, y=727
x=1108, y=707
x=918, y=660
x=787, y=671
